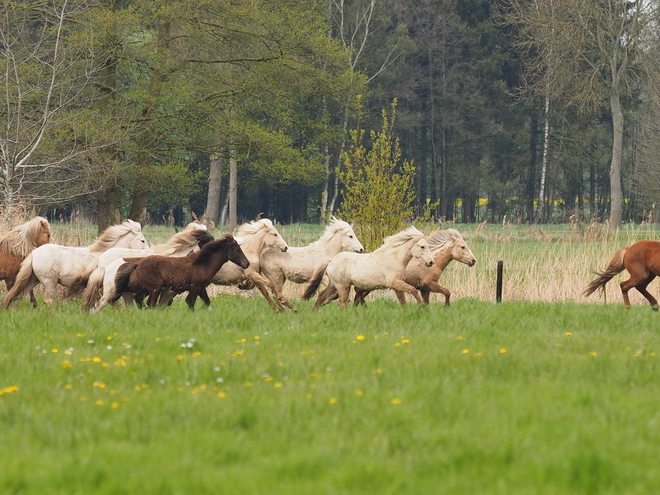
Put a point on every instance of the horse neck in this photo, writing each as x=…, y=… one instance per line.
x=326, y=248
x=442, y=257
x=252, y=245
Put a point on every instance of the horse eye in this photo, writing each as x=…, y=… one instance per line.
x=350, y=237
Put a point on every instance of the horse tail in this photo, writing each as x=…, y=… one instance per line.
x=616, y=266
x=25, y=280
x=122, y=280
x=93, y=288
x=314, y=282
x=80, y=282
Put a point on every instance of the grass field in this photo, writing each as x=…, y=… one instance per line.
x=476, y=398
x=542, y=394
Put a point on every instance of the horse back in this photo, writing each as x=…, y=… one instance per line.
x=643, y=254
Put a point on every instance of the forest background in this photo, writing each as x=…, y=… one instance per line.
x=522, y=111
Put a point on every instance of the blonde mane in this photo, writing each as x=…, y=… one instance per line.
x=110, y=235
x=439, y=239
x=250, y=228
x=334, y=227
x=397, y=240
x=21, y=240
x=181, y=241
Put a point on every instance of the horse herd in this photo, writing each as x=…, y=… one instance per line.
x=121, y=264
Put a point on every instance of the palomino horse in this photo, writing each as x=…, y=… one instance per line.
x=53, y=264
x=16, y=244
x=192, y=238
x=190, y=273
x=253, y=238
x=383, y=269
x=642, y=260
x=446, y=245
x=298, y=264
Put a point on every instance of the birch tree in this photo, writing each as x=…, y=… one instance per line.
x=585, y=53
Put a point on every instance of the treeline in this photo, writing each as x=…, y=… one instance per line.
x=516, y=110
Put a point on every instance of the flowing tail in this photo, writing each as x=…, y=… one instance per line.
x=25, y=281
x=93, y=289
x=122, y=280
x=314, y=282
x=615, y=266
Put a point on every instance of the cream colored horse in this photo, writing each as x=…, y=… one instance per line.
x=53, y=264
x=383, y=269
x=298, y=264
x=446, y=245
x=103, y=276
x=253, y=238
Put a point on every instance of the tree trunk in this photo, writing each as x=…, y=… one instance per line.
x=233, y=188
x=531, y=177
x=544, y=163
x=108, y=212
x=212, y=212
x=616, y=192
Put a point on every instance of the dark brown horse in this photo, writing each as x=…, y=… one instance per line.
x=16, y=244
x=192, y=273
x=642, y=260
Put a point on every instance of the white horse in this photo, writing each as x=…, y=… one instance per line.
x=192, y=238
x=253, y=238
x=298, y=264
x=446, y=245
x=383, y=269
x=53, y=264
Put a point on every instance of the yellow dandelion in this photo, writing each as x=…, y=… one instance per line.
x=359, y=393
x=465, y=351
x=396, y=401
x=100, y=385
x=66, y=364
x=99, y=402
x=55, y=351
x=278, y=385
x=68, y=386
x=502, y=350
x=359, y=337
x=222, y=395
x=115, y=405
x=333, y=400
x=593, y=353
x=68, y=352
x=568, y=334
x=405, y=341
x=96, y=359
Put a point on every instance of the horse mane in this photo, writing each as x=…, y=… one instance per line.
x=396, y=240
x=441, y=238
x=334, y=227
x=250, y=228
x=209, y=248
x=20, y=240
x=110, y=235
x=190, y=237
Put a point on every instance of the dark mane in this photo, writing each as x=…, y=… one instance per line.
x=211, y=247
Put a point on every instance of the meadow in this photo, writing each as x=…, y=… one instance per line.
x=543, y=393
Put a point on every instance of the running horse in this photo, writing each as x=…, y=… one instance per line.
x=17, y=244
x=642, y=260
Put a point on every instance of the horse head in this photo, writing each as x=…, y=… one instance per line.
x=349, y=241
x=422, y=252
x=43, y=236
x=460, y=250
x=235, y=253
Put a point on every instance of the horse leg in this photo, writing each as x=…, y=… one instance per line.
x=434, y=287
x=264, y=292
x=191, y=298
x=400, y=285
x=344, y=293
x=204, y=296
x=401, y=296
x=360, y=295
x=50, y=289
x=282, y=301
x=642, y=289
x=327, y=295
x=154, y=294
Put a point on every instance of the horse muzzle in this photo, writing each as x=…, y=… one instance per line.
x=430, y=263
x=472, y=262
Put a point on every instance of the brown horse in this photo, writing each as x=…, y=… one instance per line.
x=16, y=244
x=642, y=260
x=192, y=273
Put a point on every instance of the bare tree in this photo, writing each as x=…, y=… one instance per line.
x=51, y=139
x=584, y=53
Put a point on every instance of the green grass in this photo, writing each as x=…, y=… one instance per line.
x=527, y=398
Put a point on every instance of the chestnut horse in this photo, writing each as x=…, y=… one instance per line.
x=15, y=246
x=192, y=273
x=642, y=260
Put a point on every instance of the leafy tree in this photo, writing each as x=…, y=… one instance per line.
x=378, y=190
